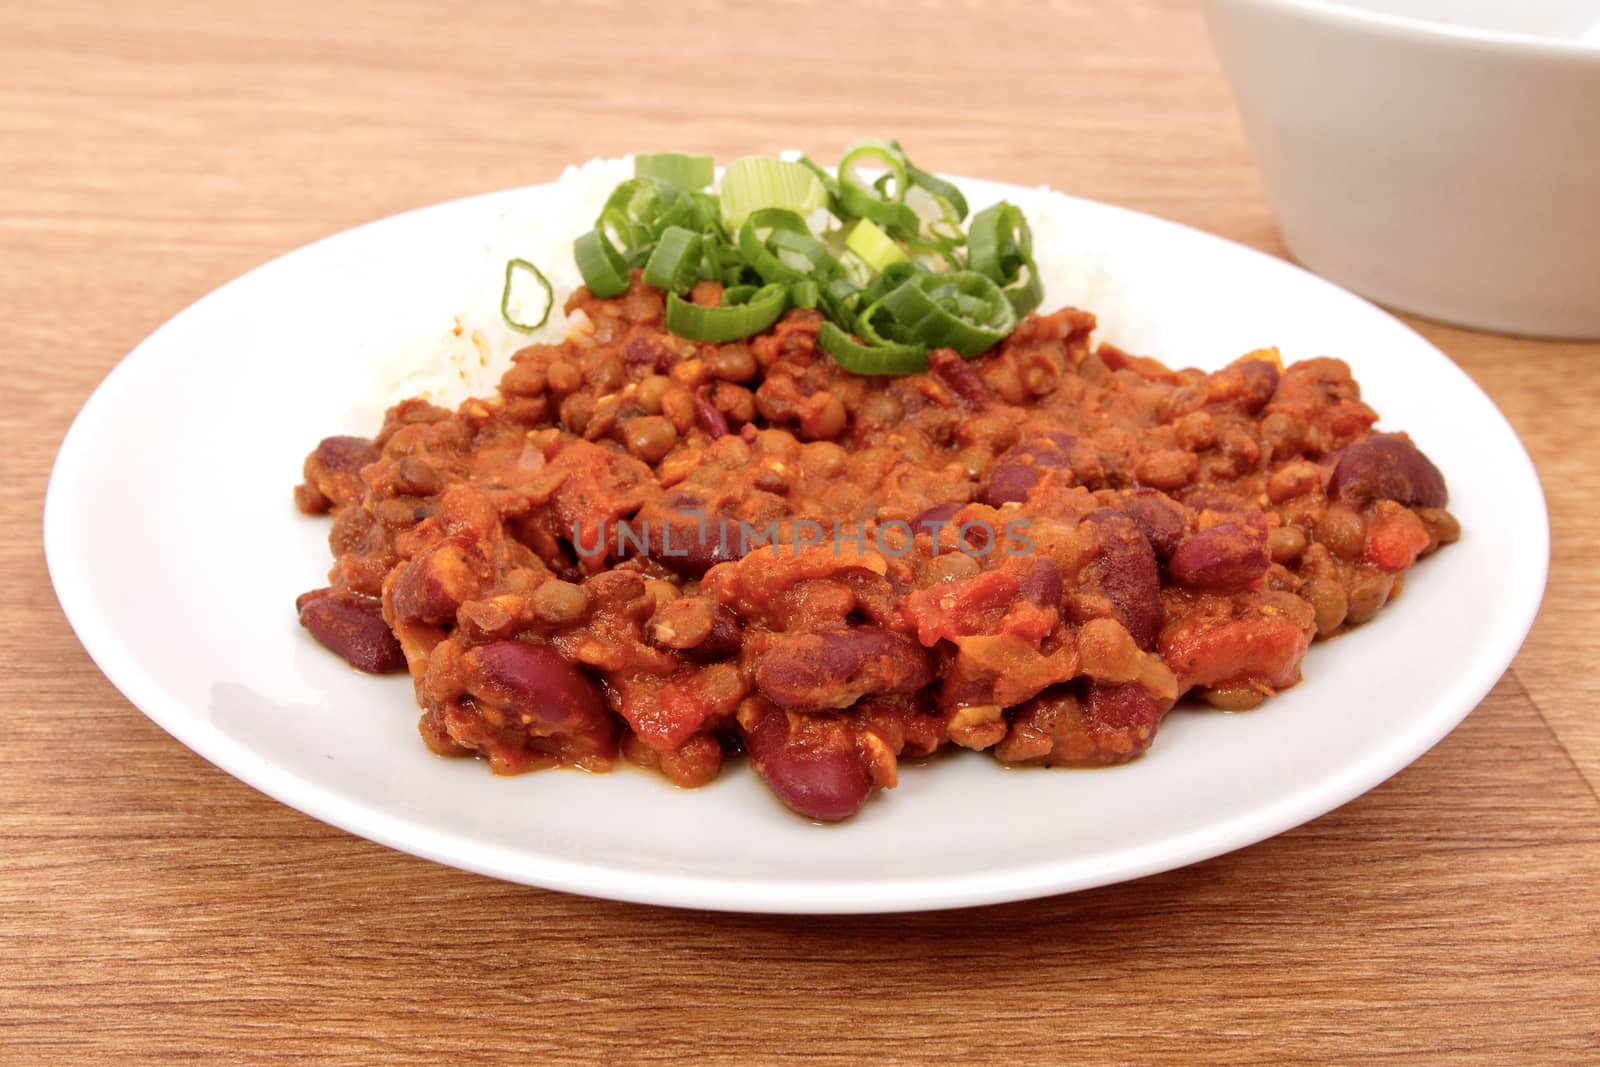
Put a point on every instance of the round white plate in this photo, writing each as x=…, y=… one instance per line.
x=177, y=555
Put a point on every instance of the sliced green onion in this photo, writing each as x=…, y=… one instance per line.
x=963, y=310
x=805, y=293
x=604, y=270
x=505, y=296
x=730, y=322
x=945, y=192
x=858, y=358
x=829, y=182
x=801, y=243
x=674, y=266
x=1000, y=247
x=877, y=202
x=757, y=182
x=901, y=274
x=676, y=169
x=874, y=246
x=756, y=251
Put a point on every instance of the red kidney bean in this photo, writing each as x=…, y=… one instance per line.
x=1224, y=557
x=817, y=771
x=1125, y=572
x=709, y=417
x=725, y=638
x=431, y=587
x=1042, y=584
x=647, y=348
x=1387, y=468
x=1126, y=711
x=938, y=515
x=835, y=668
x=345, y=453
x=1251, y=383
x=1159, y=518
x=353, y=627
x=1016, y=471
x=333, y=469
x=685, y=536
x=959, y=376
x=534, y=681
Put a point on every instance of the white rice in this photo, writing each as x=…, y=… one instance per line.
x=469, y=359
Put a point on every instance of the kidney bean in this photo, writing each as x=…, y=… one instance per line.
x=345, y=453
x=724, y=639
x=960, y=378
x=353, y=627
x=648, y=348
x=333, y=468
x=1224, y=557
x=1251, y=382
x=1387, y=468
x=431, y=587
x=1016, y=470
x=1042, y=584
x=1159, y=518
x=533, y=684
x=814, y=769
x=1125, y=573
x=690, y=544
x=939, y=514
x=835, y=668
x=1111, y=723
x=709, y=417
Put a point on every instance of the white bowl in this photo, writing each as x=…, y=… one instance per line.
x=1440, y=156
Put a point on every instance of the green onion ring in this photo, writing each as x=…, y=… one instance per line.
x=858, y=358
x=1000, y=246
x=505, y=296
x=677, y=169
x=963, y=310
x=604, y=270
x=729, y=322
x=674, y=266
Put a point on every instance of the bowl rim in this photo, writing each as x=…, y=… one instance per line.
x=1425, y=30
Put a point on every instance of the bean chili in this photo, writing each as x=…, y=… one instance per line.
x=1034, y=553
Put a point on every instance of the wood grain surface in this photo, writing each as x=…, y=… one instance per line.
x=154, y=909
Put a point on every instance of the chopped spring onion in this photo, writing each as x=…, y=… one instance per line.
x=604, y=270
x=676, y=169
x=512, y=266
x=1000, y=247
x=858, y=358
x=880, y=246
x=874, y=246
x=963, y=310
x=883, y=202
x=674, y=266
x=945, y=193
x=730, y=321
x=757, y=182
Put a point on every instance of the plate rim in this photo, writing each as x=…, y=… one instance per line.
x=714, y=892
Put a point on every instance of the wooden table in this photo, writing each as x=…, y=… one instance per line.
x=154, y=908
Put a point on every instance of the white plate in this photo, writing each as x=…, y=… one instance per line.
x=177, y=556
